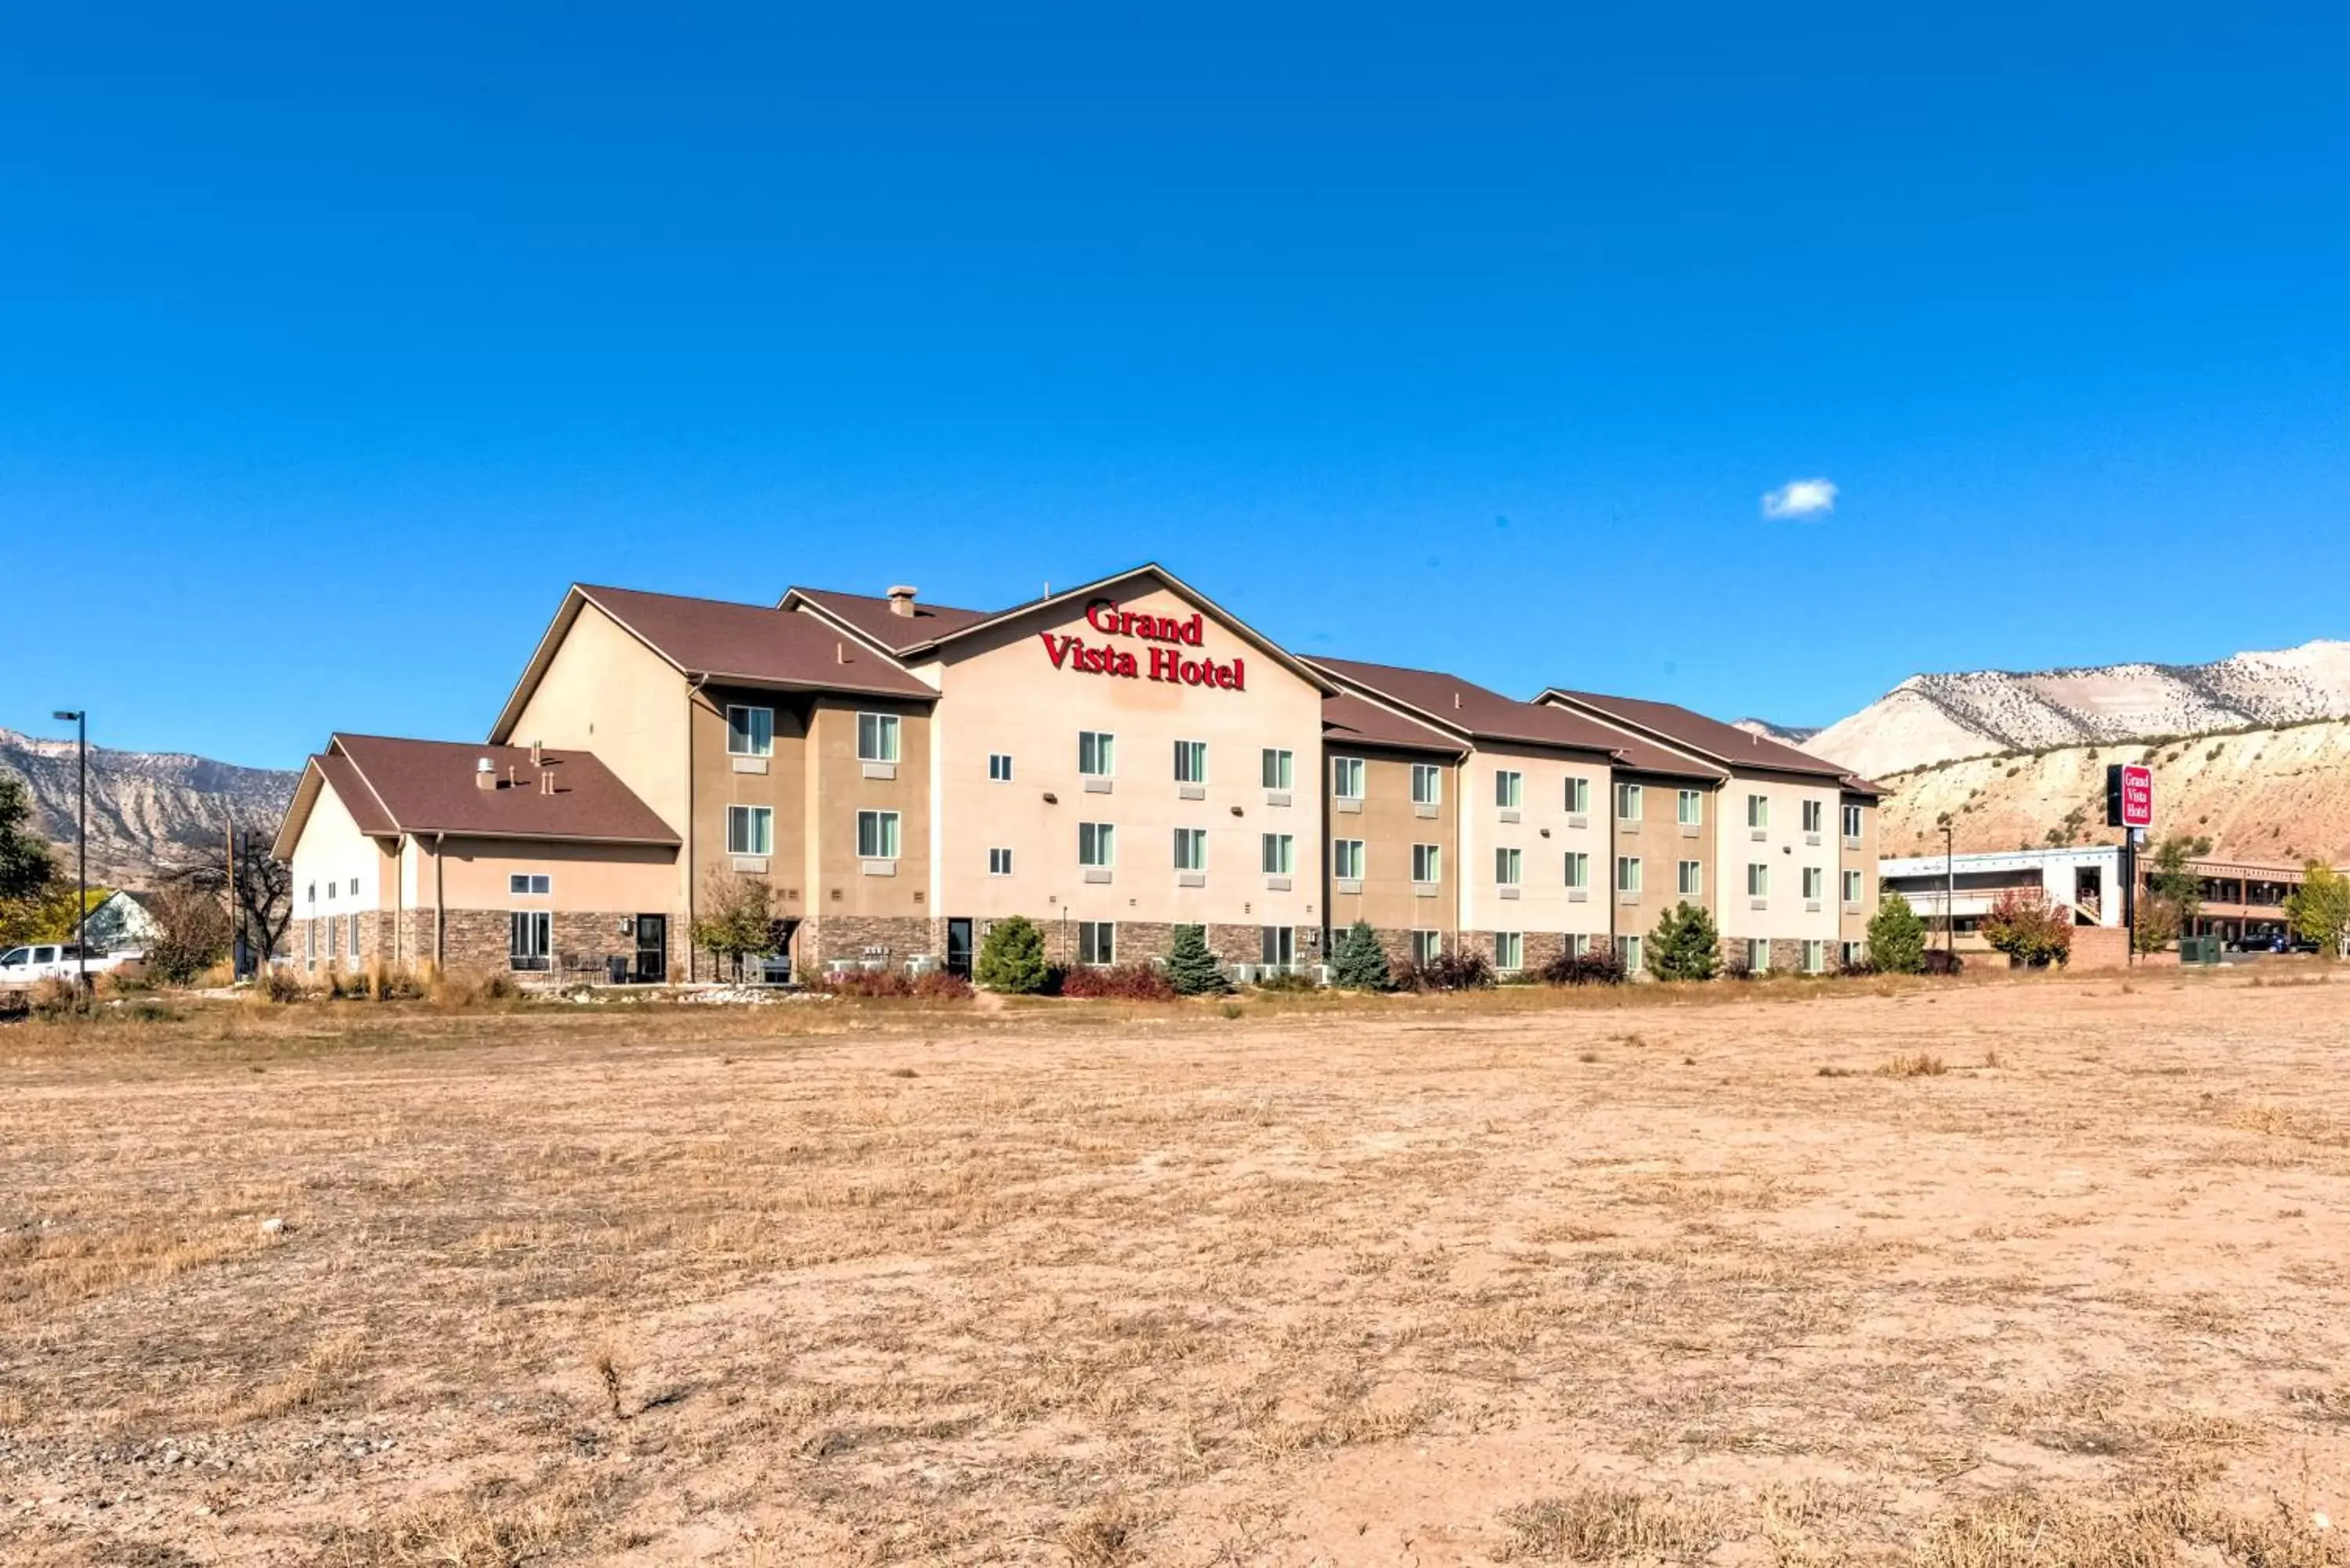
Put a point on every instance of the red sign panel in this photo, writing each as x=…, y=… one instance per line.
x=2138, y=795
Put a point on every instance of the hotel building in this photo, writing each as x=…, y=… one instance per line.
x=1111, y=761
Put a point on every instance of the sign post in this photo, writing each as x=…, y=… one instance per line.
x=2129, y=806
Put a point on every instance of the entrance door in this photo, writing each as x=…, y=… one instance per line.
x=959, y=948
x=652, y=949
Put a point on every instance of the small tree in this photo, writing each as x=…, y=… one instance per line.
x=2172, y=880
x=1686, y=944
x=1360, y=964
x=736, y=919
x=2027, y=927
x=1191, y=966
x=25, y=868
x=1897, y=937
x=191, y=931
x=1011, y=957
x=2320, y=908
x=2157, y=923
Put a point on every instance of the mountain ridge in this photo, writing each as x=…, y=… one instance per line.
x=148, y=810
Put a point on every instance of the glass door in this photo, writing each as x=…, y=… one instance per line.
x=652, y=949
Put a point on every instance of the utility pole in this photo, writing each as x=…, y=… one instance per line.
x=1951, y=891
x=81, y=843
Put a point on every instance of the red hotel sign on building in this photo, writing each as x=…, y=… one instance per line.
x=1166, y=663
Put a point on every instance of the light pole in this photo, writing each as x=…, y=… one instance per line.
x=1951, y=891
x=81, y=842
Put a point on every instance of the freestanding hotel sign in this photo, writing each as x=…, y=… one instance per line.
x=2129, y=795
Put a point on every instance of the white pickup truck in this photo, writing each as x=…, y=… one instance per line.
x=22, y=968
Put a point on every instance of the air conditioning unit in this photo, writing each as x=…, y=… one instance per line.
x=1242, y=973
x=1321, y=974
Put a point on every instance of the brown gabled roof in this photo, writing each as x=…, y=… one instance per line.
x=393, y=786
x=1349, y=720
x=1709, y=738
x=1465, y=708
x=877, y=619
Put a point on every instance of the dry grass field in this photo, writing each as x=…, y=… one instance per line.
x=2003, y=1273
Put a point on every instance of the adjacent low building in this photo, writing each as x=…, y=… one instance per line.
x=1112, y=761
x=2242, y=900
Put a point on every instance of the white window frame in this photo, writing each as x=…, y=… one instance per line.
x=1098, y=943
x=1097, y=845
x=750, y=817
x=1689, y=878
x=1578, y=795
x=1689, y=807
x=998, y=862
x=527, y=929
x=1344, y=772
x=1427, y=946
x=1508, y=866
x=1509, y=789
x=1758, y=812
x=1346, y=859
x=1096, y=754
x=529, y=885
x=1279, y=853
x=999, y=767
x=1813, y=817
x=1758, y=878
x=1280, y=768
x=1852, y=820
x=1578, y=868
x=885, y=839
x=1628, y=803
x=1635, y=958
x=1628, y=874
x=1814, y=882
x=1191, y=762
x=1196, y=839
x=1428, y=863
x=876, y=737
x=1852, y=887
x=1426, y=785
x=742, y=738
x=1509, y=951
x=1276, y=946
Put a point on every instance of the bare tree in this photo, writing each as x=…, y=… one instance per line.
x=261, y=903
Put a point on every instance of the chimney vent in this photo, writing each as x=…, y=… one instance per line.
x=535, y=751
x=902, y=600
x=546, y=783
x=840, y=653
x=1456, y=702
x=484, y=777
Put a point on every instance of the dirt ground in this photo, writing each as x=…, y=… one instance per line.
x=2032, y=1271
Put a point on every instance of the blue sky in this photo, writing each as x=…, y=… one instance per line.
x=331, y=347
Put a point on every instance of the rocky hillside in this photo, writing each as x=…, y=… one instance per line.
x=1935, y=718
x=1788, y=734
x=2279, y=793
x=145, y=809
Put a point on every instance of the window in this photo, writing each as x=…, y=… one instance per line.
x=1758, y=810
x=999, y=767
x=876, y=737
x=1758, y=954
x=1812, y=817
x=1577, y=945
x=331, y=888
x=999, y=863
x=1426, y=784
x=529, y=884
x=877, y=836
x=1852, y=955
x=1509, y=951
x=1578, y=795
x=1628, y=874
x=1578, y=868
x=1814, y=880
x=529, y=938
x=355, y=936
x=1692, y=879
x=1816, y=957
x=1097, y=941
x=355, y=887
x=1097, y=844
x=1277, y=768
x=750, y=732
x=1096, y=754
x=1428, y=863
x=1426, y=947
x=1757, y=879
x=309, y=943
x=312, y=890
x=1190, y=849
x=1191, y=762
x=1852, y=887
x=1689, y=808
x=1279, y=852
x=1505, y=866
x=333, y=938
x=1627, y=802
x=1347, y=777
x=750, y=830
x=1631, y=946
x=1277, y=945
x=1346, y=859
x=1509, y=786
x=1851, y=821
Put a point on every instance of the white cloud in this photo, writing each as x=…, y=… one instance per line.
x=1800, y=499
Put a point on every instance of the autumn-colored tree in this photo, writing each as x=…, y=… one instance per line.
x=2029, y=930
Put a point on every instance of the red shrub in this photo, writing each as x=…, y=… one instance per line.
x=1124, y=982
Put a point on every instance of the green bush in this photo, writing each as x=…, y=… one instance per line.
x=1686, y=944
x=1359, y=963
x=1192, y=968
x=1897, y=937
x=1012, y=959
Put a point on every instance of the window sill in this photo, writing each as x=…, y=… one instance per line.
x=1578, y=895
x=878, y=867
x=1507, y=892
x=1627, y=824
x=1850, y=842
x=1097, y=874
x=1191, y=791
x=1811, y=906
x=749, y=765
x=880, y=770
x=1690, y=830
x=1509, y=814
x=1759, y=834
x=1758, y=903
x=1424, y=889
x=1811, y=838
x=1098, y=785
x=1628, y=898
x=1276, y=883
x=1422, y=808
x=1850, y=907
x=1348, y=805
x=1349, y=884
x=1277, y=798
x=1578, y=819
x=1190, y=878
x=751, y=864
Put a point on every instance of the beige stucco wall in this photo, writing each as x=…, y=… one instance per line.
x=1003, y=694
x=1662, y=843
x=1544, y=834
x=835, y=877
x=782, y=787
x=1389, y=825
x=1861, y=858
x=331, y=854
x=1786, y=850
x=629, y=878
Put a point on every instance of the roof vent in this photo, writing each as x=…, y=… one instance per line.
x=484, y=775
x=534, y=755
x=546, y=783
x=1456, y=702
x=902, y=600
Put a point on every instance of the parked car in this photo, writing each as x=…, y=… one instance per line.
x=37, y=961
